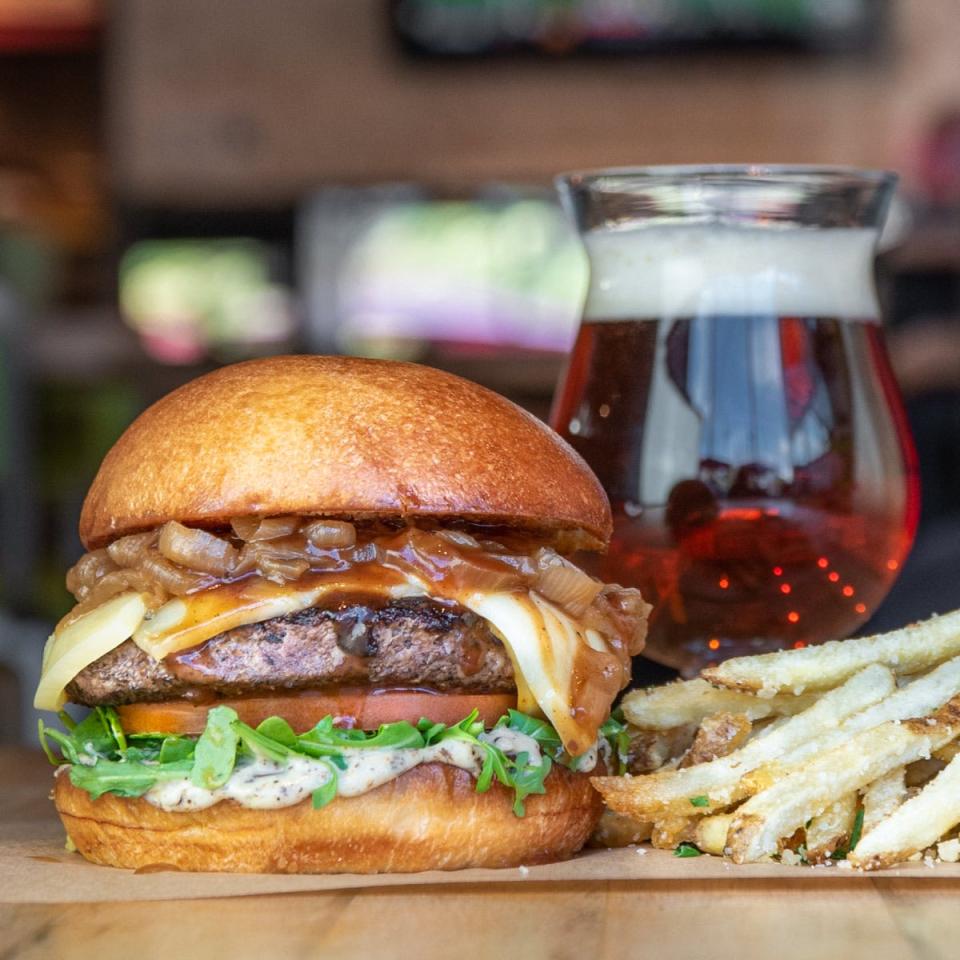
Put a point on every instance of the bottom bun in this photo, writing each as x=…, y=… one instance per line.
x=430, y=818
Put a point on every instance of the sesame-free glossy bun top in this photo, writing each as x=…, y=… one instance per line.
x=342, y=437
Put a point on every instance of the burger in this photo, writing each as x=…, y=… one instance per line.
x=326, y=623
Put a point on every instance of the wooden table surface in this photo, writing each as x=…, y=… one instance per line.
x=876, y=917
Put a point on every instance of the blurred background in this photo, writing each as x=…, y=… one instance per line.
x=186, y=184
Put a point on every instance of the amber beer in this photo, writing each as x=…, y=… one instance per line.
x=757, y=461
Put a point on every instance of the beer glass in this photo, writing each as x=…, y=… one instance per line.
x=731, y=389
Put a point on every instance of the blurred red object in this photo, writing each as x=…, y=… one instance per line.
x=49, y=24
x=939, y=165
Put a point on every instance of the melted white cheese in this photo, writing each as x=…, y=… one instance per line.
x=83, y=641
x=542, y=640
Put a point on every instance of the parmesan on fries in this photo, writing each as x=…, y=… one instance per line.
x=850, y=751
x=832, y=830
x=882, y=797
x=914, y=825
x=907, y=651
x=692, y=701
x=659, y=795
x=777, y=812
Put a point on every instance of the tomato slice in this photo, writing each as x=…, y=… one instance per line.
x=363, y=708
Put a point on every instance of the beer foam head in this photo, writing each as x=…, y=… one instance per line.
x=684, y=271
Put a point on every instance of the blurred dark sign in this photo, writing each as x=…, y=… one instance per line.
x=471, y=28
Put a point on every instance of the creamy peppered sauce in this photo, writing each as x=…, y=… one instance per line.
x=264, y=784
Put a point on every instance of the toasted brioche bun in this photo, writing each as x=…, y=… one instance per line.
x=430, y=818
x=342, y=437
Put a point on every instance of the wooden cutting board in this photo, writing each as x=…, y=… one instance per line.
x=694, y=912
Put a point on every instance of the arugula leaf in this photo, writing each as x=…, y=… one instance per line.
x=687, y=850
x=276, y=728
x=469, y=728
x=700, y=801
x=615, y=733
x=94, y=736
x=216, y=752
x=540, y=730
x=66, y=719
x=123, y=778
x=516, y=773
x=324, y=794
x=430, y=731
x=325, y=738
x=175, y=748
x=64, y=741
x=494, y=766
x=528, y=779
x=855, y=833
x=259, y=745
x=45, y=746
x=112, y=723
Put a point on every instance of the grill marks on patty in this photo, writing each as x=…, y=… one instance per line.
x=413, y=642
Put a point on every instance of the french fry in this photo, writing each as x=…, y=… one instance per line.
x=831, y=830
x=717, y=736
x=691, y=701
x=713, y=785
x=915, y=825
x=907, y=651
x=616, y=830
x=787, y=805
x=764, y=777
x=882, y=797
x=668, y=833
x=918, y=699
x=710, y=834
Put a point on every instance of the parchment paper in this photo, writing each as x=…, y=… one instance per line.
x=35, y=868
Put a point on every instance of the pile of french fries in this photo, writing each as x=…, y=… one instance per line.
x=846, y=751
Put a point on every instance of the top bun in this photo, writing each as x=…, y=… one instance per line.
x=342, y=437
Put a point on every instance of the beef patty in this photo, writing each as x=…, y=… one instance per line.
x=411, y=642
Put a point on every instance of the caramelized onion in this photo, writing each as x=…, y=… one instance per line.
x=176, y=560
x=281, y=570
x=365, y=553
x=625, y=610
x=325, y=534
x=564, y=584
x=286, y=548
x=256, y=529
x=432, y=556
x=108, y=586
x=196, y=550
x=85, y=573
x=626, y=600
x=277, y=560
x=245, y=527
x=129, y=551
x=459, y=538
x=173, y=578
